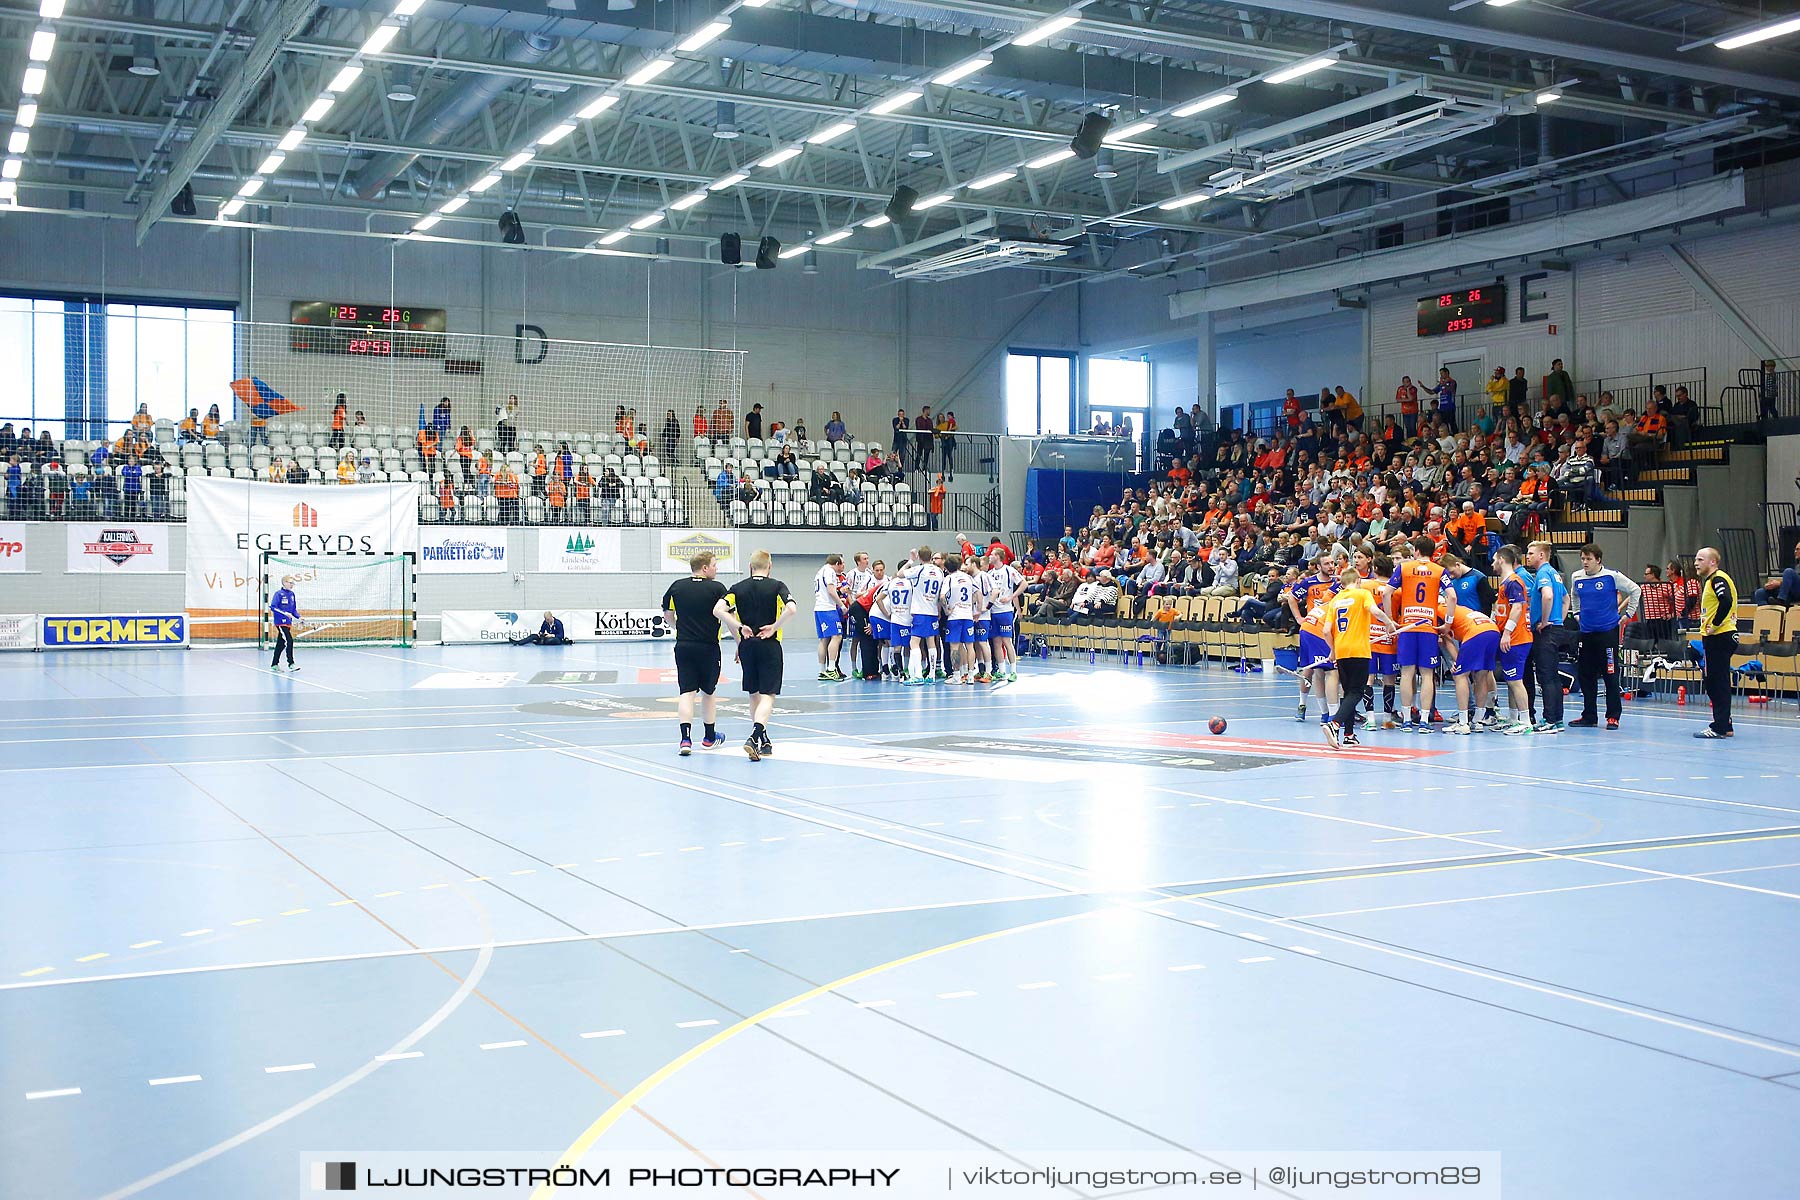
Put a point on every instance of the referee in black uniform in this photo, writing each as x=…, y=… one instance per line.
x=1718, y=638
x=698, y=604
x=762, y=605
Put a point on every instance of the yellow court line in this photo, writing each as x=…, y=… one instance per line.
x=606, y=1120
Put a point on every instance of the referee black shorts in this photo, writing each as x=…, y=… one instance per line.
x=761, y=660
x=697, y=666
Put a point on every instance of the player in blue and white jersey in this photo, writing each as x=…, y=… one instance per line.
x=828, y=616
x=959, y=628
x=1005, y=585
x=894, y=603
x=926, y=601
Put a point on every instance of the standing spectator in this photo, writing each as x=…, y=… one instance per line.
x=440, y=418
x=1518, y=389
x=1407, y=394
x=946, y=439
x=1497, y=391
x=1604, y=597
x=1349, y=409
x=1445, y=392
x=1184, y=432
x=670, y=437
x=753, y=422
x=465, y=454
x=584, y=494
x=1293, y=410
x=506, y=487
x=1558, y=385
x=612, y=488
x=506, y=434
x=901, y=424
x=1658, y=606
x=722, y=423
x=923, y=431
x=131, y=480
x=834, y=428
x=936, y=509
x=340, y=417
x=700, y=428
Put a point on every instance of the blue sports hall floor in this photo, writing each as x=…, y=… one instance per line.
x=467, y=898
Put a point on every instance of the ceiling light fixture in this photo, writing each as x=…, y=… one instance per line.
x=1053, y=26
x=231, y=209
x=779, y=157
x=555, y=134
x=600, y=105
x=792, y=251
x=839, y=236
x=1306, y=67
x=271, y=164
x=648, y=71
x=34, y=81
x=1548, y=97
x=484, y=183
x=50, y=9
x=703, y=35
x=345, y=78
x=378, y=41
x=963, y=70
x=933, y=201
x=988, y=181
x=730, y=181
x=1760, y=34
x=1050, y=159
x=518, y=160
x=18, y=141
x=688, y=201
x=646, y=221
x=451, y=206
x=10, y=168
x=1130, y=131
x=876, y=221
x=43, y=44
x=831, y=133
x=251, y=186
x=424, y=223
x=615, y=237
x=1204, y=103
x=897, y=100
x=26, y=117
x=318, y=108
x=291, y=139
x=1184, y=201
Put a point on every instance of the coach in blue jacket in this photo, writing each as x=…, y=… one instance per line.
x=550, y=633
x=1604, y=598
x=284, y=614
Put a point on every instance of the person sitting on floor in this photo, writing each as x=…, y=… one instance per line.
x=550, y=633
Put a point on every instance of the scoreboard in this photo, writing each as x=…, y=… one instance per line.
x=368, y=330
x=1461, y=311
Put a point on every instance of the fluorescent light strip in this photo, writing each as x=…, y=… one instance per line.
x=647, y=221
x=876, y=221
x=1289, y=74
x=703, y=35
x=791, y=251
x=600, y=105
x=50, y=9
x=10, y=168
x=43, y=44
x=1184, y=201
x=318, y=108
x=839, y=236
x=18, y=141
x=34, y=81
x=779, y=157
x=425, y=223
x=1204, y=103
x=934, y=201
x=484, y=183
x=1549, y=97
x=988, y=181
x=231, y=209
x=751, y=3
x=1050, y=159
x=1500, y=3
x=518, y=160
x=963, y=70
x=831, y=133
x=451, y=206
x=730, y=181
x=407, y=8
x=648, y=71
x=1054, y=25
x=345, y=78
x=378, y=41
x=1129, y=132
x=897, y=100
x=688, y=201
x=291, y=139
x=1762, y=34
x=250, y=186
x=26, y=117
x=271, y=164
x=555, y=134
x=615, y=237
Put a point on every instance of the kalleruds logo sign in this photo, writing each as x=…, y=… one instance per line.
x=110, y=548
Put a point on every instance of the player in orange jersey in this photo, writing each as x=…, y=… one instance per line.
x=1351, y=620
x=1473, y=644
x=1420, y=584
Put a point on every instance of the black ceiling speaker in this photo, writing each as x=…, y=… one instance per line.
x=511, y=232
x=767, y=251
x=1087, y=139
x=902, y=203
x=731, y=249
x=183, y=203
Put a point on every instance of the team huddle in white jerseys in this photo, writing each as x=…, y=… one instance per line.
x=949, y=618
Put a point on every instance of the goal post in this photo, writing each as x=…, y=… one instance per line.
x=345, y=599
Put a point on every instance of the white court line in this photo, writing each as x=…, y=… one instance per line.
x=1259, y=959
x=695, y=1024
x=261, y=670
x=168, y=1079
x=604, y=1033
x=1419, y=837
x=53, y=1093
x=1189, y=967
x=274, y=738
x=289, y=1067
x=401, y=1055
x=956, y=995
x=513, y=1045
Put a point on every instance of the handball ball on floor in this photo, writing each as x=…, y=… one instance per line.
x=1217, y=725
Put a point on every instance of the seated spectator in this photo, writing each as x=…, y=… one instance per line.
x=1781, y=589
x=1657, y=606
x=1648, y=434
x=1684, y=418
x=550, y=633
x=724, y=487
x=1615, y=454
x=822, y=487
x=1097, y=597
x=209, y=426
x=1059, y=587
x=786, y=466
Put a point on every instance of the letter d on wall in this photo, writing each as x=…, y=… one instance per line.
x=535, y=334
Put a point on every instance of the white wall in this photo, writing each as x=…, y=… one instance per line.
x=1261, y=364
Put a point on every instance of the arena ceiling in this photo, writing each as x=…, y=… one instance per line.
x=589, y=119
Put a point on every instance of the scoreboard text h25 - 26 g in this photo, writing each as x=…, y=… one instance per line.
x=373, y=330
x=1463, y=310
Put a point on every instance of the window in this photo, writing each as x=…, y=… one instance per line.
x=1040, y=392
x=1115, y=383
x=169, y=358
x=31, y=365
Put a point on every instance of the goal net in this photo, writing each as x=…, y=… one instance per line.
x=344, y=599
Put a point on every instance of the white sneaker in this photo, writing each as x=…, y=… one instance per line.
x=1460, y=726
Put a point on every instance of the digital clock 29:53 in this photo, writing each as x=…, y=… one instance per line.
x=1463, y=310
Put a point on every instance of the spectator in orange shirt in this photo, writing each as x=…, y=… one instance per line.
x=700, y=426
x=1647, y=436
x=937, y=501
x=428, y=445
x=446, y=498
x=558, y=494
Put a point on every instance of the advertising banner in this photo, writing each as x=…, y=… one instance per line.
x=117, y=548
x=676, y=546
x=12, y=547
x=632, y=623
x=18, y=631
x=579, y=550
x=462, y=550
x=231, y=522
x=136, y=631
x=501, y=625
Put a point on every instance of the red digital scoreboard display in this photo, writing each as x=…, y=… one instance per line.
x=1463, y=310
x=367, y=330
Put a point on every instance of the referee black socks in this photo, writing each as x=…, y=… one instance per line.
x=687, y=729
x=759, y=731
x=710, y=731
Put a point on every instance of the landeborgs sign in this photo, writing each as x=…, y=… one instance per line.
x=116, y=547
x=18, y=631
